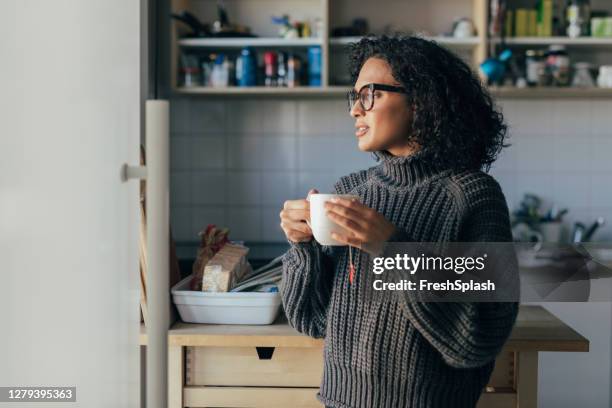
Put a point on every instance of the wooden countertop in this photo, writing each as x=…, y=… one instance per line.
x=536, y=329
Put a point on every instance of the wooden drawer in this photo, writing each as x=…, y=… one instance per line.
x=254, y=366
x=251, y=397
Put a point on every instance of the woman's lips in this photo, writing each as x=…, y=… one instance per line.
x=362, y=130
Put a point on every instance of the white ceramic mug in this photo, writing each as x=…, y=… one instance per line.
x=322, y=227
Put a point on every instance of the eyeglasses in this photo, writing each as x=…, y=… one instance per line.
x=365, y=95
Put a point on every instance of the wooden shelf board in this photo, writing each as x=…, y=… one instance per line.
x=450, y=41
x=580, y=41
x=263, y=91
x=250, y=42
x=279, y=334
x=340, y=91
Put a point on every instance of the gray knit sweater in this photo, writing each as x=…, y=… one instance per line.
x=400, y=353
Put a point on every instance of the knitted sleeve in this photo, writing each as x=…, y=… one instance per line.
x=468, y=334
x=306, y=287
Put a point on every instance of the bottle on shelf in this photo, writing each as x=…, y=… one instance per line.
x=220, y=72
x=294, y=71
x=270, y=68
x=314, y=66
x=246, y=68
x=578, y=16
x=281, y=72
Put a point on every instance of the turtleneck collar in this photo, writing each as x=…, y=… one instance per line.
x=406, y=170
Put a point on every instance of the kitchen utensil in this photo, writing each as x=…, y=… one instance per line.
x=588, y=235
x=578, y=232
x=198, y=29
x=322, y=226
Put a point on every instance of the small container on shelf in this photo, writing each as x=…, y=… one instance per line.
x=535, y=68
x=582, y=75
x=604, y=80
x=558, y=65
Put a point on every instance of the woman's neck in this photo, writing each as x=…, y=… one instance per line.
x=403, y=150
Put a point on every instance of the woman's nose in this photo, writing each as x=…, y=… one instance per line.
x=357, y=110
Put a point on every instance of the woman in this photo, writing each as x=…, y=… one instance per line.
x=432, y=126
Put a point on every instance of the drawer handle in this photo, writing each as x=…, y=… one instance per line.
x=265, y=353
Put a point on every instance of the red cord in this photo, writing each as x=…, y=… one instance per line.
x=351, y=267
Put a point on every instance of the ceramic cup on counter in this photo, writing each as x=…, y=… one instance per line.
x=322, y=226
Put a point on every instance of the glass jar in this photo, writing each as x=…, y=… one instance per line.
x=604, y=80
x=558, y=65
x=582, y=75
x=535, y=67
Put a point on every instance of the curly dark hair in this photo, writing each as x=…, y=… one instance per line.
x=455, y=116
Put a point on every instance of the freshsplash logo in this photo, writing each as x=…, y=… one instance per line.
x=414, y=264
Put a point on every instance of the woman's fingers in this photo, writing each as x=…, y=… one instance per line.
x=296, y=205
x=295, y=215
x=345, y=239
x=295, y=226
x=297, y=236
x=350, y=209
x=356, y=229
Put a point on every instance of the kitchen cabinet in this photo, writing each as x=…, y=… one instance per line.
x=275, y=366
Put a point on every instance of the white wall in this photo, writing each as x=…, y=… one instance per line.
x=235, y=161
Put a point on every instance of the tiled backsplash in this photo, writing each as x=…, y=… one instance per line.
x=235, y=161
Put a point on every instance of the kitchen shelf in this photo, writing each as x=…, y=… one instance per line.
x=580, y=41
x=249, y=42
x=475, y=49
x=449, y=41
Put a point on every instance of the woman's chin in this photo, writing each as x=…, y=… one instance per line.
x=364, y=144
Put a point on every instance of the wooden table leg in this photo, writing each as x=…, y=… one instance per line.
x=176, y=370
x=527, y=379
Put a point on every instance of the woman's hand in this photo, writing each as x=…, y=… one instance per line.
x=368, y=229
x=293, y=217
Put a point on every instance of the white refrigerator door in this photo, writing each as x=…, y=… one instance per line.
x=69, y=227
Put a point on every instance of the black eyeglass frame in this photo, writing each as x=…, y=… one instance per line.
x=355, y=96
